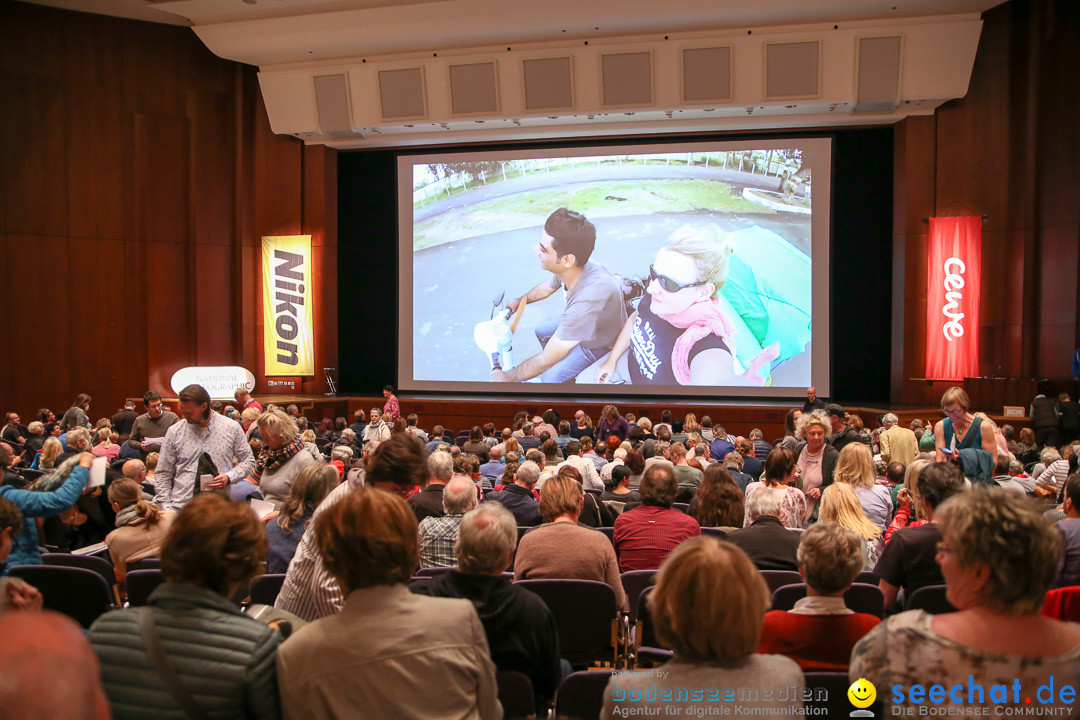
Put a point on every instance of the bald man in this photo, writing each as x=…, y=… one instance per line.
x=135, y=470
x=47, y=669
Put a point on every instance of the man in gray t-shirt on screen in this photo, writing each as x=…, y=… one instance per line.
x=594, y=312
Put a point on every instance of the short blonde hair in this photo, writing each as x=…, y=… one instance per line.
x=709, y=602
x=709, y=248
x=560, y=494
x=855, y=466
x=250, y=414
x=806, y=420
x=1012, y=538
x=955, y=395
x=275, y=423
x=830, y=556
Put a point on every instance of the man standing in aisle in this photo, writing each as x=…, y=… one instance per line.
x=203, y=432
x=244, y=400
x=152, y=425
x=594, y=312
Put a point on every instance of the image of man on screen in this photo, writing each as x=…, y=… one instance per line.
x=594, y=311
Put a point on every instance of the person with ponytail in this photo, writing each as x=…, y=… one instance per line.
x=140, y=526
x=680, y=332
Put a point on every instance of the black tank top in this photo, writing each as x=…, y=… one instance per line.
x=651, y=340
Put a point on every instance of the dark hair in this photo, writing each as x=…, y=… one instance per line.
x=10, y=516
x=571, y=234
x=81, y=401
x=412, y=419
x=550, y=448
x=489, y=429
x=368, y=538
x=1072, y=490
x=895, y=472
x=719, y=500
x=564, y=427
x=573, y=448
x=779, y=464
x=636, y=434
x=551, y=417
x=196, y=394
x=789, y=421
x=659, y=486
x=938, y=482
x=618, y=474
x=677, y=426
x=388, y=388
x=665, y=416
x=213, y=543
x=635, y=461
x=475, y=434
x=401, y=460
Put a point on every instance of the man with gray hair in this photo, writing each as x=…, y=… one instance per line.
x=429, y=501
x=438, y=534
x=770, y=545
x=898, y=443
x=520, y=629
x=519, y=498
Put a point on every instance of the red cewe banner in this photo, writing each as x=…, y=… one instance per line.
x=952, y=308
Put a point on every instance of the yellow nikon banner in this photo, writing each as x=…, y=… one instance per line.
x=288, y=337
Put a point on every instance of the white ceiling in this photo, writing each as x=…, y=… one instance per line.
x=275, y=32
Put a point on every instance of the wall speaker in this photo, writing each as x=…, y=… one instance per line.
x=791, y=70
x=627, y=78
x=706, y=74
x=401, y=93
x=548, y=84
x=472, y=89
x=332, y=101
x=878, y=72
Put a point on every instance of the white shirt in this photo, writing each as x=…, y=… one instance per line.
x=222, y=439
x=590, y=478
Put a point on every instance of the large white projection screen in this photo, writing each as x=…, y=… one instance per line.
x=708, y=274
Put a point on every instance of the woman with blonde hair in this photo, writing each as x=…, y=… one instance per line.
x=816, y=458
x=684, y=335
x=691, y=424
x=708, y=606
x=841, y=505
x=283, y=456
x=106, y=448
x=140, y=526
x=855, y=468
x=51, y=450
x=909, y=508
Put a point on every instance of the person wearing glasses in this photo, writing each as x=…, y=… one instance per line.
x=960, y=435
x=594, y=310
x=680, y=333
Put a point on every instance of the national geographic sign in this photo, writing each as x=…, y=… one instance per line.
x=288, y=344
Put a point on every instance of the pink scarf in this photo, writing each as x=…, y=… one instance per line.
x=708, y=318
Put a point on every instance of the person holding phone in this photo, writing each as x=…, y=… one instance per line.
x=962, y=430
x=680, y=334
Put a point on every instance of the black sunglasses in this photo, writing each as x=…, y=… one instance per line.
x=668, y=284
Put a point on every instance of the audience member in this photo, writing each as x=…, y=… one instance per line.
x=520, y=630
x=519, y=498
x=439, y=533
x=590, y=476
x=76, y=415
x=441, y=666
x=213, y=549
x=284, y=533
x=141, y=526
x=855, y=468
x=148, y=430
x=1070, y=533
x=781, y=473
x=708, y=606
x=619, y=494
x=816, y=458
x=429, y=501
x=612, y=423
x=998, y=556
x=646, y=535
x=840, y=504
x=561, y=548
x=718, y=501
x=15, y=593
x=898, y=443
x=765, y=539
x=820, y=630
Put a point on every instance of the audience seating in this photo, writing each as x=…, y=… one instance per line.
x=634, y=583
x=265, y=588
x=832, y=688
x=681, y=507
x=150, y=563
x=713, y=532
x=860, y=597
x=417, y=584
x=1063, y=604
x=868, y=577
x=585, y=616
x=99, y=565
x=778, y=578
x=647, y=649
x=581, y=695
x=516, y=695
x=79, y=593
x=610, y=532
x=140, y=583
x=930, y=598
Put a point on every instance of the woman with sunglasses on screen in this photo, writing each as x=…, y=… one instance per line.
x=680, y=333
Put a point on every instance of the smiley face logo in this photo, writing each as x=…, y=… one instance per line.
x=862, y=693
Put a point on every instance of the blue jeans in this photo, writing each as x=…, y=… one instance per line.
x=567, y=369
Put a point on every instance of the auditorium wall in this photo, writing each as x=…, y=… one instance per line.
x=138, y=173
x=1007, y=150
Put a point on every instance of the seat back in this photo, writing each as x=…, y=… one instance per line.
x=265, y=588
x=516, y=695
x=778, y=578
x=634, y=582
x=648, y=651
x=585, y=617
x=681, y=507
x=860, y=597
x=150, y=563
x=99, y=565
x=930, y=598
x=581, y=695
x=868, y=577
x=829, y=690
x=79, y=593
x=432, y=571
x=140, y=583
x=713, y=532
x=1063, y=604
x=609, y=532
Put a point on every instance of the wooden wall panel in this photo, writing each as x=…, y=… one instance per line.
x=95, y=155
